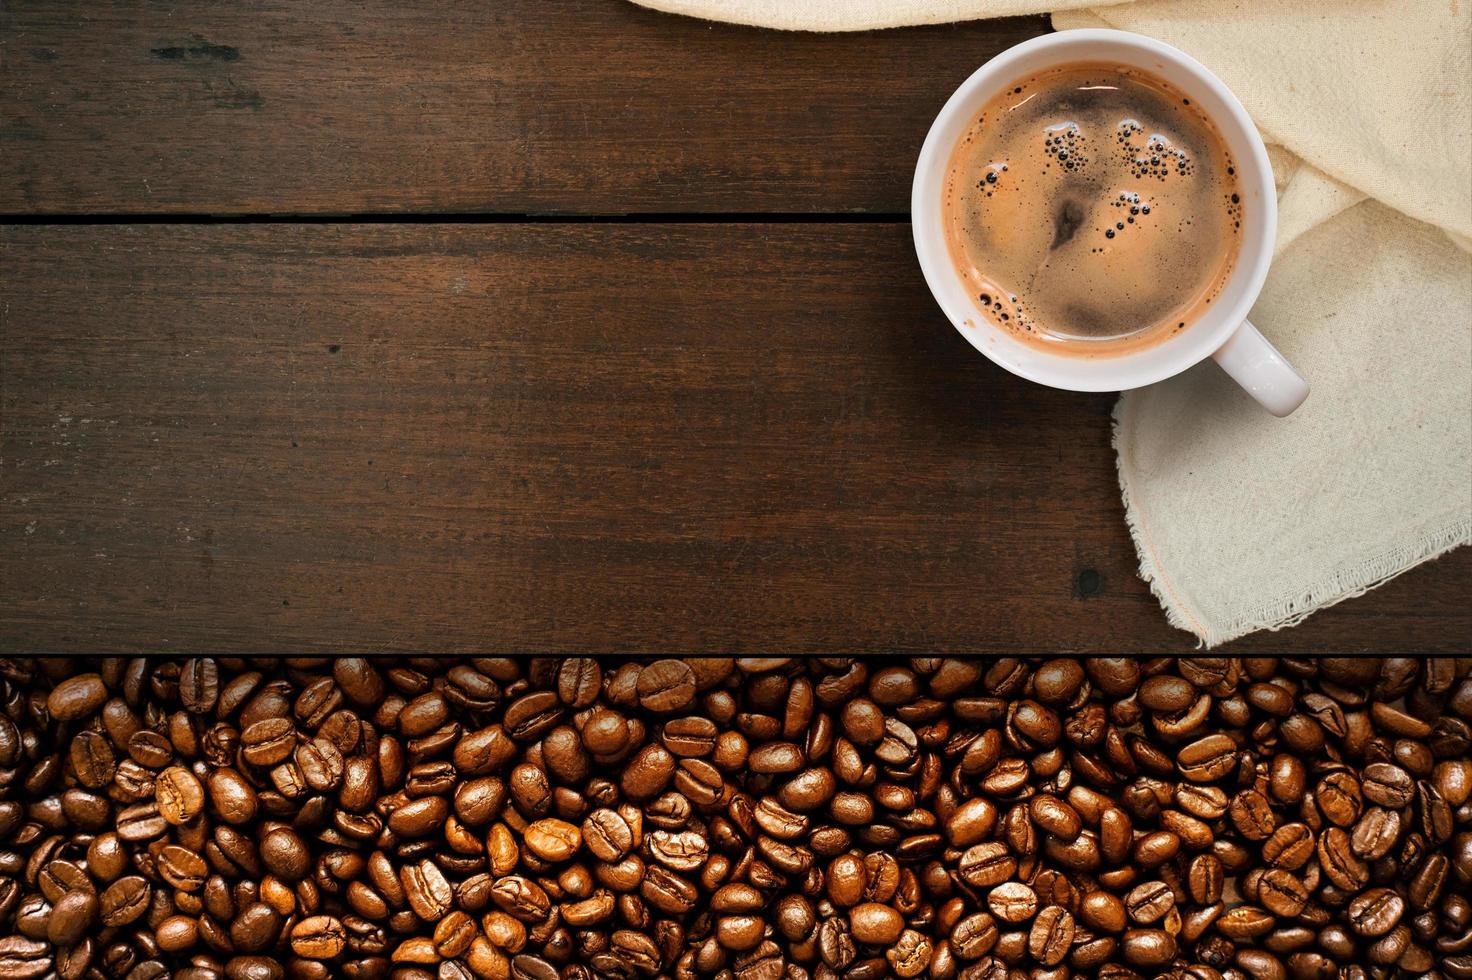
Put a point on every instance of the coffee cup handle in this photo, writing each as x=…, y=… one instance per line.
x=1255, y=364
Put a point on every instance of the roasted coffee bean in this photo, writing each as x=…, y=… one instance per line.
x=1427, y=883
x=1148, y=947
x=874, y=924
x=1387, y=785
x=766, y=818
x=1286, y=779
x=477, y=801
x=635, y=948
x=1007, y=777
x=1167, y=693
x=1289, y=847
x=666, y=891
x=93, y=759
x=125, y=900
x=1376, y=911
x=845, y=880
x=514, y=894
x=911, y=955
x=1245, y=922
x=985, y=865
x=596, y=908
x=863, y=722
x=607, y=835
x=71, y=917
x=1156, y=848
x=319, y=937
x=1055, y=817
x=1057, y=681
x=141, y=822
x=776, y=757
x=321, y=764
x=76, y=697
x=1032, y=722
x=453, y=935
x=579, y=681
x=1208, y=758
x=1013, y=901
x=1453, y=779
x=1051, y=935
x=231, y=798
x=552, y=839
x=1252, y=815
x=666, y=686
x=795, y=918
x=1376, y=833
x=1148, y=903
x=24, y=959
x=808, y=790
x=150, y=749
x=423, y=714
x=532, y=715
x=899, y=745
x=680, y=850
x=836, y=946
x=647, y=774
x=427, y=891
x=1339, y=862
x=238, y=968
x=1205, y=879
x=970, y=823
x=777, y=820
x=59, y=876
x=1260, y=964
x=1116, y=834
x=974, y=936
x=692, y=736
x=285, y=854
x=199, y=685
x=256, y=928
x=180, y=795
x=1102, y=912
x=1339, y=799
x=1281, y=893
x=525, y=966
x=181, y=868
x=268, y=741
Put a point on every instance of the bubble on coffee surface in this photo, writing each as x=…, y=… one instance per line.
x=1101, y=198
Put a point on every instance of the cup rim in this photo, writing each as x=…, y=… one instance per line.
x=1123, y=371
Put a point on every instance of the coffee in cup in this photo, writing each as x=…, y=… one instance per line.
x=1092, y=209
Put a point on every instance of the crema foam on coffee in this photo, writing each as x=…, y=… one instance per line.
x=1093, y=209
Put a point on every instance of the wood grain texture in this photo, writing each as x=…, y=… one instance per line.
x=574, y=106
x=556, y=437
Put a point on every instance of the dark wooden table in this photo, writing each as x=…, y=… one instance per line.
x=527, y=325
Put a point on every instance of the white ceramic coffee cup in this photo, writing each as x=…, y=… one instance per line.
x=1222, y=332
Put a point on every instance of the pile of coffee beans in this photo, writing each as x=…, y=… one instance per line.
x=740, y=818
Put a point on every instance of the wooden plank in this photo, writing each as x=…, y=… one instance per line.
x=350, y=106
x=556, y=437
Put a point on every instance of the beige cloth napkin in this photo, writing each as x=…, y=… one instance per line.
x=1243, y=521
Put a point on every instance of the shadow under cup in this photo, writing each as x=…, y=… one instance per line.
x=1131, y=369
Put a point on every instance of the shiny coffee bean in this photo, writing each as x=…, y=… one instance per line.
x=666, y=686
x=1387, y=785
x=76, y=697
x=1013, y=901
x=763, y=818
x=1376, y=911
x=1148, y=948
x=1051, y=935
x=1149, y=902
x=1208, y=758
